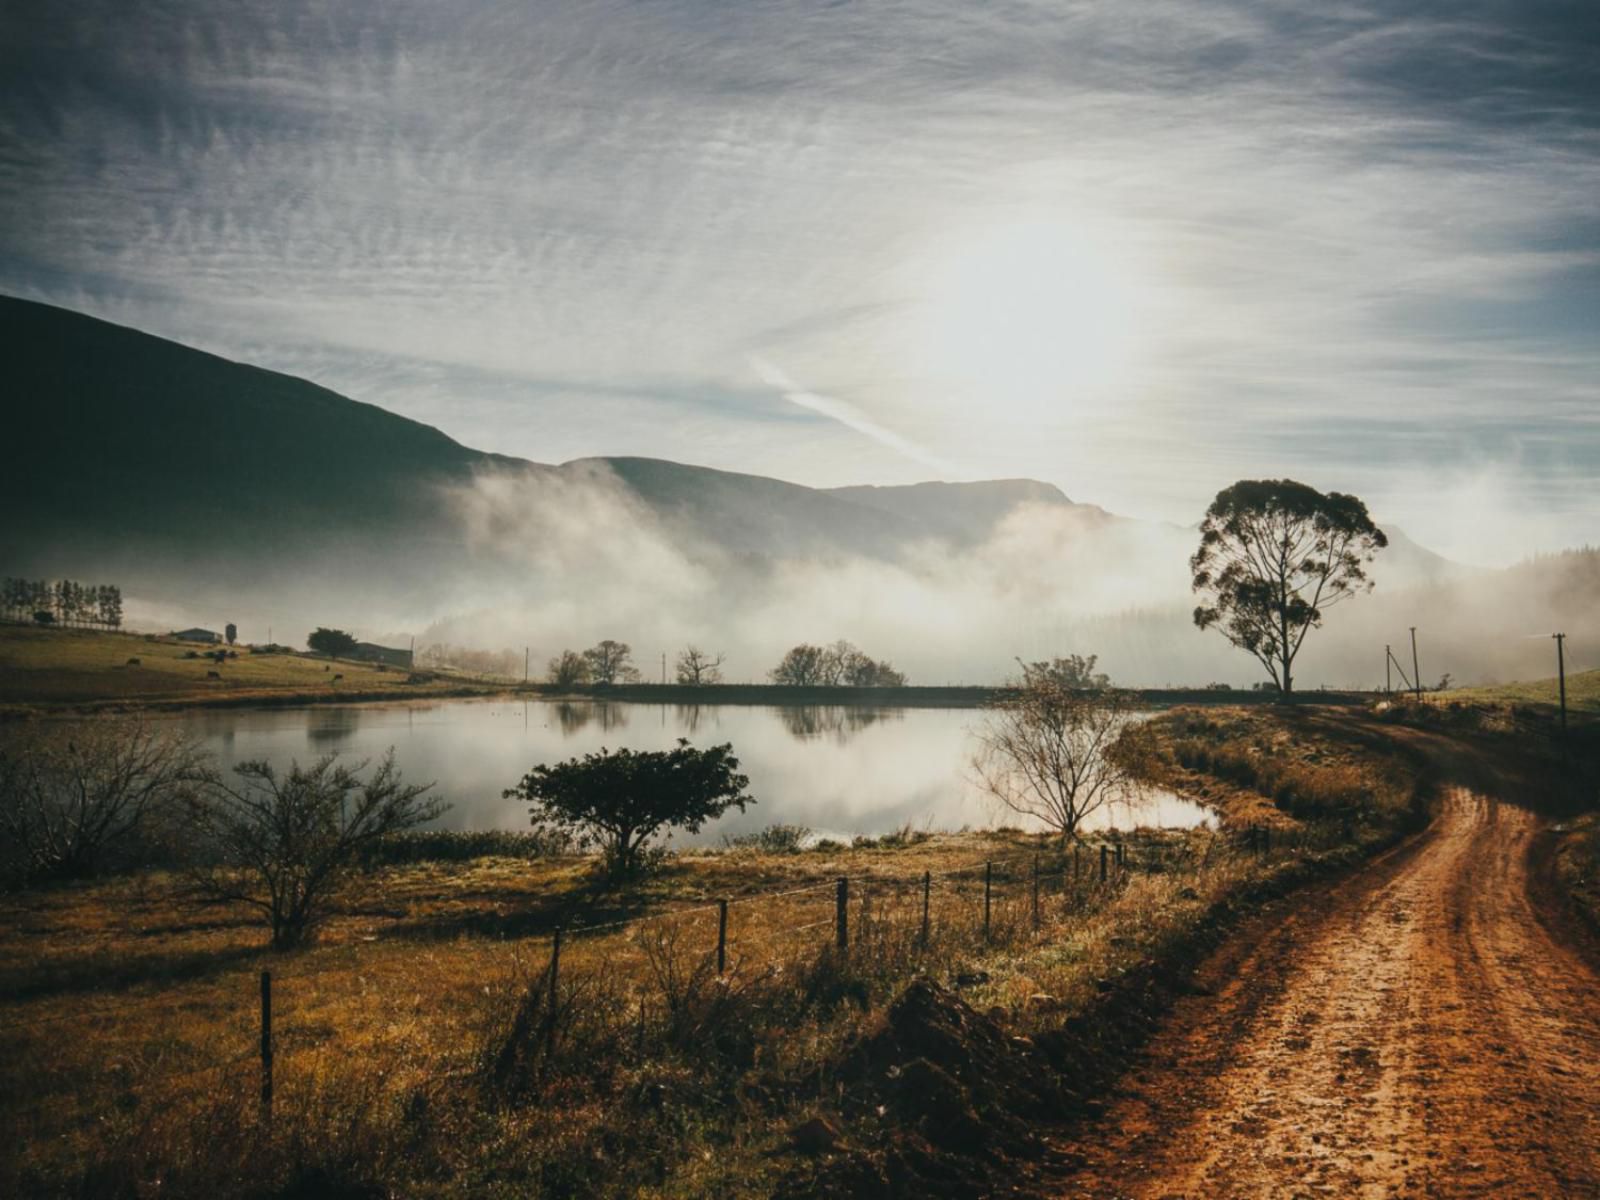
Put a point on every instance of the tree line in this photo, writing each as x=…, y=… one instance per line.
x=64, y=602
x=838, y=665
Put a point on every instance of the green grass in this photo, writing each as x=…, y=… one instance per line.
x=84, y=666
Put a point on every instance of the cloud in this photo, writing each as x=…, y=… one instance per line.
x=1355, y=233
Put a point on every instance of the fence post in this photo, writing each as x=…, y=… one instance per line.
x=927, y=886
x=1036, y=893
x=555, y=968
x=1105, y=856
x=988, y=886
x=841, y=913
x=722, y=937
x=266, y=1046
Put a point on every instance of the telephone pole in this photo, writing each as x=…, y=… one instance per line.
x=1388, y=676
x=1416, y=671
x=524, y=666
x=1561, y=674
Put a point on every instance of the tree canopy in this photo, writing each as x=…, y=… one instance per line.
x=1274, y=556
x=838, y=665
x=332, y=642
x=620, y=799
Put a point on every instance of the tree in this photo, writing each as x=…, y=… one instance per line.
x=283, y=843
x=231, y=632
x=332, y=642
x=611, y=662
x=72, y=794
x=569, y=669
x=696, y=667
x=621, y=799
x=802, y=666
x=1073, y=671
x=1274, y=556
x=44, y=616
x=1051, y=752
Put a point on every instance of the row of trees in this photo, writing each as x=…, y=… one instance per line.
x=65, y=602
x=838, y=665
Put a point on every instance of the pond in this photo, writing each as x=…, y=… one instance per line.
x=839, y=771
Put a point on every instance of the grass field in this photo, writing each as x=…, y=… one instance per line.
x=128, y=1013
x=1583, y=692
x=82, y=666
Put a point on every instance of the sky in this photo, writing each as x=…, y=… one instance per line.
x=1138, y=249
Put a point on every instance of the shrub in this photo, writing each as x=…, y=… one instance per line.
x=774, y=839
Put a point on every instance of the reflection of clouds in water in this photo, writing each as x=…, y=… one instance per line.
x=837, y=770
x=806, y=721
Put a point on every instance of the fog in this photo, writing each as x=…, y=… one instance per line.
x=563, y=559
x=553, y=558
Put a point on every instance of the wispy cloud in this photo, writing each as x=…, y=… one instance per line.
x=1352, y=234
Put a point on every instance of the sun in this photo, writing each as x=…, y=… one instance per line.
x=1027, y=315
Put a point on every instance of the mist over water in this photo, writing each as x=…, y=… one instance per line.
x=838, y=771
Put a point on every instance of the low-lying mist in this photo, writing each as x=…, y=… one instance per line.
x=554, y=558
x=566, y=558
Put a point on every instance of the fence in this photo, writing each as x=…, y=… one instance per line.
x=640, y=985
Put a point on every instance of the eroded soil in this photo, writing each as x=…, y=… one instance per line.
x=1422, y=1029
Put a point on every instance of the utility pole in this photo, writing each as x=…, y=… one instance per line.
x=663, y=667
x=1388, y=676
x=1561, y=674
x=1416, y=671
x=524, y=666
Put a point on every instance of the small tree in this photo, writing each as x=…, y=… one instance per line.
x=611, y=662
x=72, y=794
x=283, y=843
x=231, y=632
x=1073, y=671
x=332, y=642
x=1050, y=752
x=621, y=799
x=1274, y=556
x=696, y=667
x=569, y=669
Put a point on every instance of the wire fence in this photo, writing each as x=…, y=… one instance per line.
x=644, y=985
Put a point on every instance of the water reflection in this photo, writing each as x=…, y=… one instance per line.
x=576, y=716
x=837, y=770
x=806, y=721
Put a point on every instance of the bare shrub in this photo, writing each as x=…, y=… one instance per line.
x=73, y=795
x=282, y=843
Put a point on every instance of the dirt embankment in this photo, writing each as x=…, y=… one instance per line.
x=1430, y=1027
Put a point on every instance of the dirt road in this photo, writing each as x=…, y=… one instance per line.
x=1413, y=1031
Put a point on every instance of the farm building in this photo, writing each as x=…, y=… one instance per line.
x=197, y=635
x=372, y=652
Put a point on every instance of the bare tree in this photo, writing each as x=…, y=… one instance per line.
x=569, y=669
x=696, y=667
x=1050, y=752
x=283, y=843
x=70, y=793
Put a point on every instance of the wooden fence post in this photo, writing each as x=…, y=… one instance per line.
x=1036, y=893
x=841, y=913
x=927, y=887
x=266, y=1046
x=722, y=937
x=555, y=968
x=988, y=886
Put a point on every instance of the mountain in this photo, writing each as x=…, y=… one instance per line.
x=215, y=491
x=127, y=448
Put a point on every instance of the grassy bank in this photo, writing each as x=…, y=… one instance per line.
x=88, y=668
x=414, y=1042
x=1583, y=693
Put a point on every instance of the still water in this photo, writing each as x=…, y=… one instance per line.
x=839, y=771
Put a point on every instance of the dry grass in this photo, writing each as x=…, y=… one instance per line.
x=411, y=1040
x=81, y=666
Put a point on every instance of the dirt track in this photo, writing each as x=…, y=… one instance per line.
x=1413, y=1031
